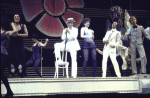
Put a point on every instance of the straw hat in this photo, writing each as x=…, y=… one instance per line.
x=70, y=20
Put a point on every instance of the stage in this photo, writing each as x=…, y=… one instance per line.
x=81, y=85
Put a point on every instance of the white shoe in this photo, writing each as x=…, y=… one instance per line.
x=20, y=66
x=135, y=75
x=124, y=66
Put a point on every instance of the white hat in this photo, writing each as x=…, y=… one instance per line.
x=70, y=20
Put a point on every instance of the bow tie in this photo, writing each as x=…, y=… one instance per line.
x=134, y=26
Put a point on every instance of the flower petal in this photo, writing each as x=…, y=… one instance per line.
x=31, y=8
x=50, y=26
x=75, y=3
x=71, y=14
x=55, y=7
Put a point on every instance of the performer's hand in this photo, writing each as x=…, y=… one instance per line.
x=112, y=46
x=26, y=48
x=67, y=30
x=126, y=34
x=127, y=57
x=15, y=34
x=7, y=33
x=47, y=40
x=92, y=31
x=97, y=49
x=106, y=40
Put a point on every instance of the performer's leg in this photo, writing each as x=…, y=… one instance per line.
x=133, y=58
x=104, y=62
x=21, y=64
x=93, y=54
x=74, y=62
x=12, y=66
x=120, y=62
x=3, y=77
x=115, y=63
x=29, y=62
x=143, y=57
x=86, y=57
x=112, y=70
x=36, y=64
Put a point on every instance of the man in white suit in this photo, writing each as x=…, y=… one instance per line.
x=70, y=43
x=111, y=40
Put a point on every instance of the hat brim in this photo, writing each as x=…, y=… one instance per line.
x=70, y=21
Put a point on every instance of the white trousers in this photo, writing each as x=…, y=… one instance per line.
x=73, y=53
x=112, y=55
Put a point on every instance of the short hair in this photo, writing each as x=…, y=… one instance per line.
x=35, y=36
x=132, y=18
x=85, y=20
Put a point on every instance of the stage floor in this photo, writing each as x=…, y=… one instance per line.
x=46, y=86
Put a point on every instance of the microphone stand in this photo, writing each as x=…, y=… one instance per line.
x=65, y=45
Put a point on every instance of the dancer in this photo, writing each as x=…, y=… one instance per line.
x=136, y=42
x=88, y=45
x=122, y=54
x=16, y=47
x=69, y=36
x=36, y=56
x=111, y=40
x=4, y=37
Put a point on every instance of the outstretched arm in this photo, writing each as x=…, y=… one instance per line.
x=145, y=33
x=25, y=32
x=29, y=49
x=99, y=51
x=43, y=45
x=9, y=33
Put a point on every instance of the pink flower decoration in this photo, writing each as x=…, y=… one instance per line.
x=50, y=23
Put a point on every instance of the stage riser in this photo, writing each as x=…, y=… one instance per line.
x=47, y=86
x=50, y=71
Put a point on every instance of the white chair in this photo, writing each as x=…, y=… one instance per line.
x=61, y=64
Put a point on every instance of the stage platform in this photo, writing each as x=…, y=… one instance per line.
x=46, y=86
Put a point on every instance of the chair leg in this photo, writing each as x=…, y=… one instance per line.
x=63, y=71
x=67, y=70
x=55, y=72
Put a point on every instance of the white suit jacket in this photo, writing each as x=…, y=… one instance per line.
x=114, y=37
x=71, y=38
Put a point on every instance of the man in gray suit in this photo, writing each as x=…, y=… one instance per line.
x=136, y=42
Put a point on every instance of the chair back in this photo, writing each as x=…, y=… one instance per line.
x=63, y=56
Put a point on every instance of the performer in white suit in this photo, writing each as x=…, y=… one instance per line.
x=69, y=37
x=111, y=40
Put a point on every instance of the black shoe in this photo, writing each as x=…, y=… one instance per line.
x=10, y=94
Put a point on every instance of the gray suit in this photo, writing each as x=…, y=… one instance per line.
x=136, y=42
